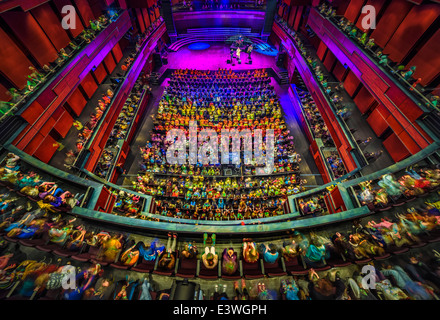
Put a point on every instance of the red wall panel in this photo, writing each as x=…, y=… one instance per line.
x=3, y=95
x=409, y=108
x=109, y=63
x=77, y=102
x=47, y=127
x=100, y=73
x=298, y=16
x=427, y=60
x=146, y=17
x=78, y=24
x=390, y=21
x=363, y=100
x=34, y=144
x=32, y=112
x=377, y=122
x=321, y=50
x=117, y=52
x=410, y=30
x=89, y=85
x=13, y=64
x=64, y=124
x=85, y=11
x=353, y=9
x=396, y=148
x=329, y=60
x=46, y=149
x=292, y=16
x=377, y=4
x=51, y=25
x=140, y=19
x=351, y=83
x=31, y=35
x=339, y=71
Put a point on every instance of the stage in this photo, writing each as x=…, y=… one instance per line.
x=213, y=58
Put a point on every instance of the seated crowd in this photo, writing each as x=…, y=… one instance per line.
x=413, y=278
x=218, y=100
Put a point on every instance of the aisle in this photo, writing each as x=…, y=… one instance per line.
x=143, y=133
x=308, y=168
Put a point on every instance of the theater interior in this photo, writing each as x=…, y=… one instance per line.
x=220, y=150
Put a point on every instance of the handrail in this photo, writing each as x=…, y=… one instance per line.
x=237, y=230
x=58, y=173
x=148, y=199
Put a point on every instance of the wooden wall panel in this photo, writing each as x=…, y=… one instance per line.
x=26, y=28
x=51, y=25
x=390, y=21
x=85, y=11
x=117, y=52
x=78, y=24
x=140, y=20
x=396, y=148
x=353, y=10
x=351, y=83
x=418, y=20
x=339, y=71
x=14, y=64
x=377, y=4
x=427, y=60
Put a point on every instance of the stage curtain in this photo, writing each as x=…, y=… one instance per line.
x=26, y=28
x=51, y=25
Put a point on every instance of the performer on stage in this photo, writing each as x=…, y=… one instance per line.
x=237, y=53
x=249, y=51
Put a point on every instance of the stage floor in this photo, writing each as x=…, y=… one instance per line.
x=213, y=58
